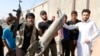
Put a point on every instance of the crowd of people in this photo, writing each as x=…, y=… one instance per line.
x=72, y=34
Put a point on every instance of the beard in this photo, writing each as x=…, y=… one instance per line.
x=85, y=19
x=44, y=19
x=29, y=23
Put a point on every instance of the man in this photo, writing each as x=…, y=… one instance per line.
x=59, y=37
x=65, y=40
x=73, y=34
x=1, y=43
x=26, y=35
x=43, y=26
x=8, y=39
x=87, y=33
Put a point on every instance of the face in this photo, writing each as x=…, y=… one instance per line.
x=65, y=19
x=30, y=20
x=44, y=16
x=73, y=16
x=85, y=16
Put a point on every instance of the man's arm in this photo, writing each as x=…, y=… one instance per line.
x=96, y=32
x=70, y=27
x=40, y=32
x=6, y=45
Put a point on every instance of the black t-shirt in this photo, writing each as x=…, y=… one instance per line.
x=73, y=34
x=44, y=26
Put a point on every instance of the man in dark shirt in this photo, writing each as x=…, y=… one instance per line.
x=65, y=41
x=73, y=34
x=30, y=34
x=43, y=26
x=1, y=43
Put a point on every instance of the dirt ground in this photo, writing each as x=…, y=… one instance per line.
x=95, y=48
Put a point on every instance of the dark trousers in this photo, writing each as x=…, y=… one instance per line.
x=65, y=47
x=12, y=53
x=19, y=52
x=1, y=48
x=51, y=47
x=73, y=44
x=1, y=52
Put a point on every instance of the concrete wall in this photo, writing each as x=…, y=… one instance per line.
x=36, y=10
x=79, y=6
x=95, y=11
x=66, y=6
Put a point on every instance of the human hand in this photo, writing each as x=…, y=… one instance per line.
x=75, y=42
x=9, y=52
x=87, y=41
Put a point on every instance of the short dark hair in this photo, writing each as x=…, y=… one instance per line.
x=74, y=12
x=43, y=12
x=30, y=14
x=9, y=20
x=86, y=10
x=65, y=16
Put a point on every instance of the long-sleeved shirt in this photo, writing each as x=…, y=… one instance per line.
x=87, y=30
x=65, y=34
x=73, y=34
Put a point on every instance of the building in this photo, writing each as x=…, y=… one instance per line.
x=66, y=6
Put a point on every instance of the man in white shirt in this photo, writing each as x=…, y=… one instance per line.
x=87, y=33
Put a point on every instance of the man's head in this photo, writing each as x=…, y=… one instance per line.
x=74, y=15
x=30, y=18
x=85, y=14
x=65, y=18
x=10, y=20
x=43, y=15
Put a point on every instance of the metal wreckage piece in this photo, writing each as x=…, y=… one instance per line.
x=46, y=38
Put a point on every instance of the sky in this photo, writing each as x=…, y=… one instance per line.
x=6, y=6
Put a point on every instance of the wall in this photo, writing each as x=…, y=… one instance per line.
x=66, y=6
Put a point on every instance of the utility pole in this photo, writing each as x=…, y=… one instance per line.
x=88, y=2
x=73, y=4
